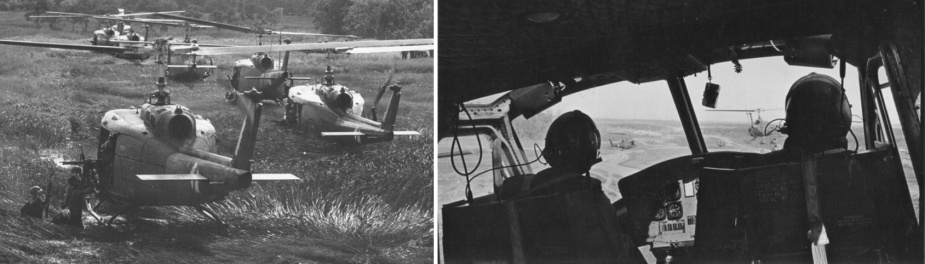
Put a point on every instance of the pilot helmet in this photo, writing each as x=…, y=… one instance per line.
x=818, y=115
x=573, y=142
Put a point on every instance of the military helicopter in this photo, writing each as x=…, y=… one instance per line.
x=755, y=129
x=340, y=109
x=847, y=205
x=624, y=144
x=164, y=155
x=272, y=79
x=335, y=107
x=169, y=52
x=119, y=31
x=121, y=41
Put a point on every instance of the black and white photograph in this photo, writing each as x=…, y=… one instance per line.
x=679, y=131
x=217, y=131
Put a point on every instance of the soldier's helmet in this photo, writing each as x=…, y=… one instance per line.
x=161, y=82
x=818, y=116
x=35, y=190
x=329, y=76
x=573, y=142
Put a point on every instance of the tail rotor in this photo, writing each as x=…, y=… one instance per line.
x=381, y=92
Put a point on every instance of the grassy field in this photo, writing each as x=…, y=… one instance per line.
x=369, y=206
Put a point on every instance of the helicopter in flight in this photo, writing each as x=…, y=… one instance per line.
x=336, y=108
x=164, y=155
x=755, y=128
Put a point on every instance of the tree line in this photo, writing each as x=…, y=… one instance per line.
x=379, y=19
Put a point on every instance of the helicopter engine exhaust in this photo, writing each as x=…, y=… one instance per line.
x=262, y=61
x=174, y=125
x=342, y=98
x=179, y=126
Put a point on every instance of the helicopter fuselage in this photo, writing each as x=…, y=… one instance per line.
x=162, y=140
x=272, y=84
x=335, y=108
x=183, y=67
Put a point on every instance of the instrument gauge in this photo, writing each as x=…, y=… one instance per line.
x=660, y=214
x=674, y=210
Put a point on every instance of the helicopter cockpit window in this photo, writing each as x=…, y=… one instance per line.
x=891, y=115
x=452, y=184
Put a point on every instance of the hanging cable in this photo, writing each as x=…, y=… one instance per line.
x=538, y=154
x=503, y=167
x=453, y=145
x=841, y=106
x=709, y=74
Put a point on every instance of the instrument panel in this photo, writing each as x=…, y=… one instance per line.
x=675, y=220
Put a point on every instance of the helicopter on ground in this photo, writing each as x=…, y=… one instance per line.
x=339, y=110
x=121, y=40
x=334, y=107
x=624, y=144
x=119, y=31
x=166, y=51
x=846, y=205
x=164, y=155
x=755, y=129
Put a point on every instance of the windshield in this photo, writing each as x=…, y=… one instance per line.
x=640, y=127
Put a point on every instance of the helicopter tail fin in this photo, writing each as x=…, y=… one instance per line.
x=388, y=122
x=250, y=104
x=285, y=62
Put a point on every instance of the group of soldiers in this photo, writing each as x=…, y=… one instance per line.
x=74, y=201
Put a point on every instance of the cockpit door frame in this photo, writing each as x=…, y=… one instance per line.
x=682, y=102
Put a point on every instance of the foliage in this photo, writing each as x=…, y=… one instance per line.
x=329, y=15
x=381, y=19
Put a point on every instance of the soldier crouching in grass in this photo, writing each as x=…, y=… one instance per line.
x=36, y=205
x=76, y=190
